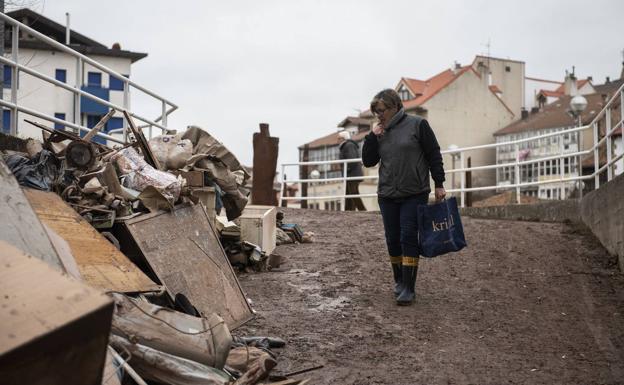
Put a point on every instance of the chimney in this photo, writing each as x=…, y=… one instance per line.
x=524, y=113
x=607, y=80
x=456, y=68
x=484, y=72
x=569, y=85
x=67, y=30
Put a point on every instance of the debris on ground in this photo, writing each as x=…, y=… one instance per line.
x=141, y=223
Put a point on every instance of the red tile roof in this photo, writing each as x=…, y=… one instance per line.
x=579, y=85
x=359, y=121
x=332, y=140
x=549, y=93
x=425, y=90
x=555, y=115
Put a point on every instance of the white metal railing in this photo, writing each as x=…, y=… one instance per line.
x=598, y=141
x=167, y=107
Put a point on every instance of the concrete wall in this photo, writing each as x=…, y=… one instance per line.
x=555, y=211
x=602, y=211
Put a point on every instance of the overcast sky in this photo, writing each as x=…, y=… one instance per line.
x=302, y=66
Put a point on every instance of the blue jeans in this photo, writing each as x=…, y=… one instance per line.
x=401, y=224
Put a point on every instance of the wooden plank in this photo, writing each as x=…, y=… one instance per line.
x=54, y=328
x=184, y=251
x=100, y=263
x=19, y=225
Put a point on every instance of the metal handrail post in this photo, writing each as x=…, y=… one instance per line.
x=561, y=170
x=14, y=78
x=463, y=179
x=608, y=131
x=596, y=158
x=517, y=173
x=579, y=160
x=279, y=203
x=78, y=85
x=126, y=105
x=344, y=186
x=164, y=113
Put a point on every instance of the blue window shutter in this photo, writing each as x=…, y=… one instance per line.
x=114, y=123
x=94, y=79
x=6, y=120
x=7, y=76
x=58, y=126
x=61, y=75
x=115, y=84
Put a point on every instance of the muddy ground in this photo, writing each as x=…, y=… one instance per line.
x=525, y=303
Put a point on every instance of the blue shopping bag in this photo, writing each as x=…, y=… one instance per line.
x=440, y=230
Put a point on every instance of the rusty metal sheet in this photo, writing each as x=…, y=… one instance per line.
x=100, y=263
x=19, y=225
x=184, y=251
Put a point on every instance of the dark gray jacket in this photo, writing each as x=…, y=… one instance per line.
x=349, y=149
x=408, y=150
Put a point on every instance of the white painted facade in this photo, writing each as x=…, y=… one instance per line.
x=540, y=171
x=508, y=75
x=49, y=99
x=466, y=113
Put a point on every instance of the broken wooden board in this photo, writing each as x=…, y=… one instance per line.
x=100, y=263
x=20, y=226
x=54, y=328
x=184, y=252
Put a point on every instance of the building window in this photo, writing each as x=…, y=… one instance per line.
x=114, y=123
x=116, y=84
x=507, y=69
x=8, y=71
x=404, y=93
x=61, y=75
x=6, y=120
x=94, y=79
x=59, y=126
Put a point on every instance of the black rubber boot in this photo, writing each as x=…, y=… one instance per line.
x=409, y=270
x=396, y=272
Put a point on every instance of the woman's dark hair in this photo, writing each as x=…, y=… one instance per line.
x=389, y=98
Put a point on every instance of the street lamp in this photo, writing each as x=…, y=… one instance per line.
x=315, y=174
x=454, y=156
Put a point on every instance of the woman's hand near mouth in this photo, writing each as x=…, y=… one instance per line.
x=378, y=129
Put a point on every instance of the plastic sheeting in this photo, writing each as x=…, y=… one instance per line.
x=137, y=175
x=171, y=151
x=39, y=172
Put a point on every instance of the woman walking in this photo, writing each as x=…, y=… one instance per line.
x=408, y=151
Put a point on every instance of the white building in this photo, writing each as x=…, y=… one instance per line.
x=553, y=117
x=55, y=101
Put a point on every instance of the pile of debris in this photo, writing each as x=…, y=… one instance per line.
x=132, y=255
